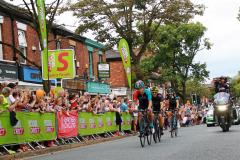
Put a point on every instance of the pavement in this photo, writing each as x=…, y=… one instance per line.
x=193, y=143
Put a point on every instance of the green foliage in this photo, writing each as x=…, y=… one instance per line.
x=176, y=46
x=112, y=20
x=235, y=86
x=195, y=87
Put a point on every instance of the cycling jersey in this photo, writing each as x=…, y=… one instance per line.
x=156, y=102
x=172, y=102
x=142, y=98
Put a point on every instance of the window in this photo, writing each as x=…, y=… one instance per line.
x=100, y=58
x=73, y=48
x=1, y=49
x=91, y=71
x=58, y=45
x=23, y=50
x=75, y=59
x=22, y=45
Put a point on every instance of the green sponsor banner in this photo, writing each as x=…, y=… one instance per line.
x=110, y=119
x=90, y=124
x=60, y=64
x=30, y=127
x=41, y=127
x=96, y=124
x=126, y=58
x=48, y=126
x=43, y=29
x=126, y=121
x=9, y=134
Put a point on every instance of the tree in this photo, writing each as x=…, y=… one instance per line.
x=29, y=7
x=195, y=87
x=235, y=86
x=176, y=46
x=130, y=19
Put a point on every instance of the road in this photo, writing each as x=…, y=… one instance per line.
x=193, y=143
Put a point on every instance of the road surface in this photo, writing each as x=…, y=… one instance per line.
x=193, y=143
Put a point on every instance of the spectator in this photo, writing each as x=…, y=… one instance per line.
x=3, y=99
x=11, y=99
x=6, y=103
x=124, y=106
x=73, y=102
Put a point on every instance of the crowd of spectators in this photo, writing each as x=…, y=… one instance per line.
x=25, y=100
x=14, y=99
x=190, y=114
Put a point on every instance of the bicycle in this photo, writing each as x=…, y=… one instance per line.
x=145, y=130
x=173, y=125
x=158, y=131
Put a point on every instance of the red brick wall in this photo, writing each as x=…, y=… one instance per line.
x=32, y=40
x=118, y=76
x=52, y=42
x=82, y=57
x=7, y=38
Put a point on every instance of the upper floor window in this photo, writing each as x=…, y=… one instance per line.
x=74, y=52
x=58, y=45
x=22, y=45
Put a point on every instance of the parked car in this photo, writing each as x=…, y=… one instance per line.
x=236, y=115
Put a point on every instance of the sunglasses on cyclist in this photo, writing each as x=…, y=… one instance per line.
x=154, y=92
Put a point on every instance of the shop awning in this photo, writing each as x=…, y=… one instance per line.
x=31, y=86
x=21, y=83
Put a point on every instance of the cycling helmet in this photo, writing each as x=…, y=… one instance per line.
x=155, y=89
x=170, y=91
x=139, y=84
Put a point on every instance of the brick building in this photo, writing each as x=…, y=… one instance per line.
x=17, y=31
x=118, y=78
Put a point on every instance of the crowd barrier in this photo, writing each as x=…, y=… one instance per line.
x=35, y=127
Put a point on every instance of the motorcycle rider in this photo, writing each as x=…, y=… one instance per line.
x=222, y=86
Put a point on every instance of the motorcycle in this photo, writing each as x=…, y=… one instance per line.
x=223, y=110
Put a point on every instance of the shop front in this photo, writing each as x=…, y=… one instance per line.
x=76, y=85
x=97, y=88
x=31, y=78
x=8, y=72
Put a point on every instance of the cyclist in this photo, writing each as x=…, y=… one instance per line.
x=143, y=97
x=172, y=101
x=157, y=100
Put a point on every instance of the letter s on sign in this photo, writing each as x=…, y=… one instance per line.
x=61, y=60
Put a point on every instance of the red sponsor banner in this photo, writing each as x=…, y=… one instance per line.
x=67, y=124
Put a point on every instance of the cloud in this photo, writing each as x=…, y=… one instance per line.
x=224, y=33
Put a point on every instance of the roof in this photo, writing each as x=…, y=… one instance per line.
x=60, y=30
x=14, y=11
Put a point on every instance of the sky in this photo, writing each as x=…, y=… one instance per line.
x=223, y=30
